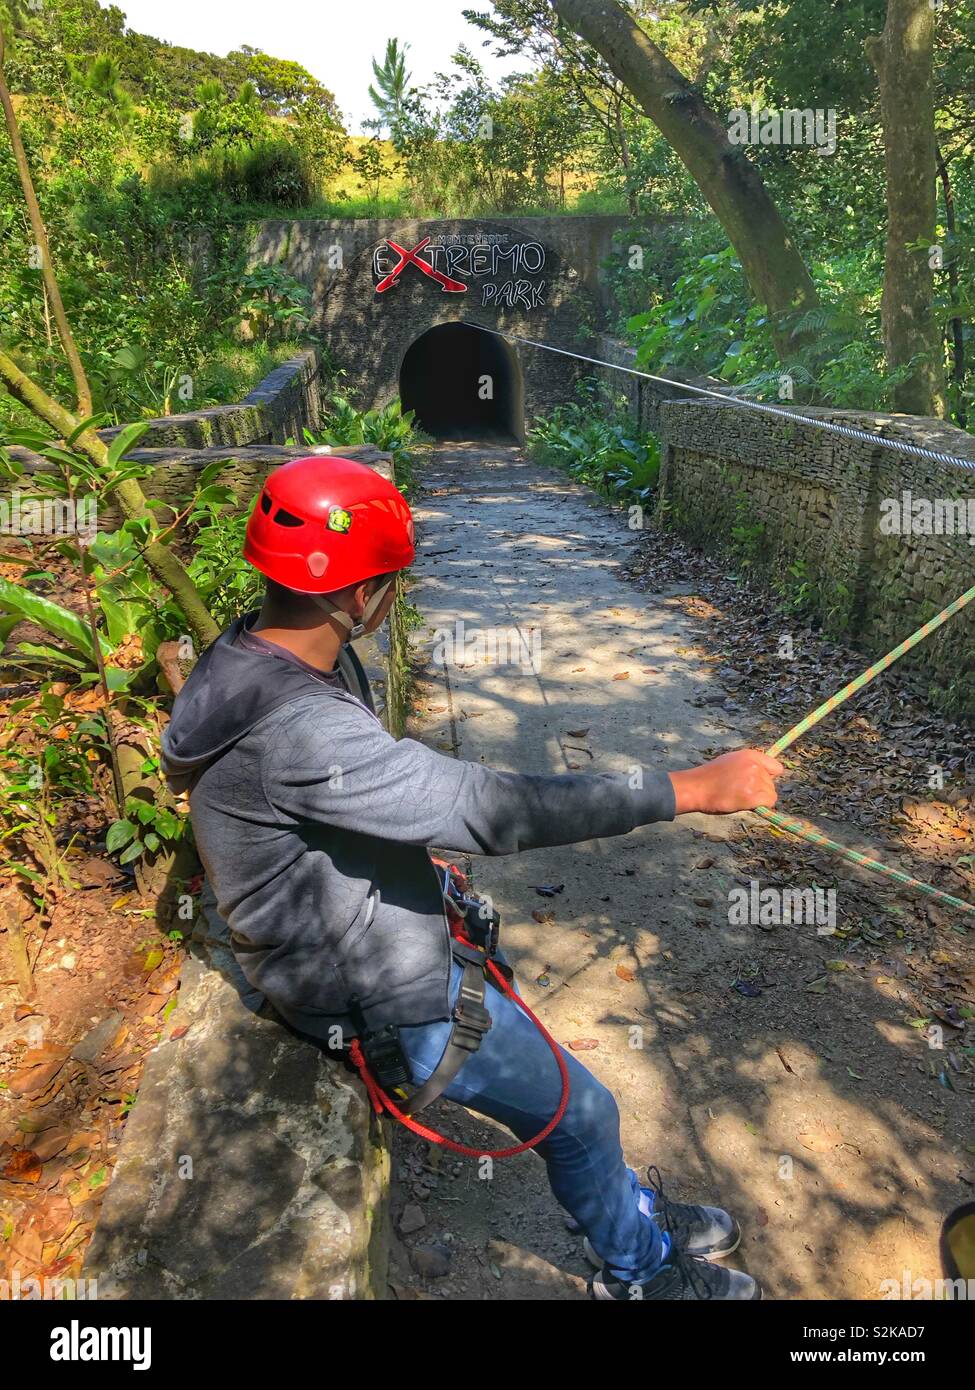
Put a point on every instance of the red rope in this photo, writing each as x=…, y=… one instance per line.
x=380, y=1100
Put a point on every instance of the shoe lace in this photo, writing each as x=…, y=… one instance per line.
x=676, y=1217
x=693, y=1273
x=662, y=1204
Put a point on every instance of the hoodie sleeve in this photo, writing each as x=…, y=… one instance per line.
x=329, y=761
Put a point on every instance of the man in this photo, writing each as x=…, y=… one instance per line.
x=314, y=827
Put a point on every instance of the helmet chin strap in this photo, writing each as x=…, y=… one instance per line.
x=353, y=629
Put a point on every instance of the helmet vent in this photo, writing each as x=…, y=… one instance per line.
x=284, y=518
x=265, y=503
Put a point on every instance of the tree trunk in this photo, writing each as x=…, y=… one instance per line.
x=903, y=57
x=729, y=181
x=954, y=289
x=51, y=289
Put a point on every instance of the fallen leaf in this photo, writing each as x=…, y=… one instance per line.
x=625, y=973
x=32, y=1081
x=820, y=1140
x=782, y=1059
x=23, y=1166
x=583, y=1044
x=51, y=1142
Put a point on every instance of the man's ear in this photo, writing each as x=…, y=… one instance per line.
x=361, y=594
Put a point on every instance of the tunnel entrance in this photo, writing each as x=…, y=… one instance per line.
x=463, y=384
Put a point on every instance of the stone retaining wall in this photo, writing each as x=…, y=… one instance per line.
x=288, y=399
x=779, y=495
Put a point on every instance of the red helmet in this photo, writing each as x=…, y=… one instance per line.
x=321, y=523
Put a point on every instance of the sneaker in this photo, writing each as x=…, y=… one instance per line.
x=703, y=1232
x=680, y=1278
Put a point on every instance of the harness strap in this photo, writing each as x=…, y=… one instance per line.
x=381, y=1100
x=471, y=1022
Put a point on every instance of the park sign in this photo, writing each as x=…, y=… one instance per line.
x=496, y=268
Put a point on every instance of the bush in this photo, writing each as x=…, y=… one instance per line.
x=277, y=173
x=388, y=429
x=592, y=439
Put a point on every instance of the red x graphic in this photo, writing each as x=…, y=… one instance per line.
x=411, y=258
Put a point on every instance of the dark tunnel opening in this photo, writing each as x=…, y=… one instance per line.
x=463, y=384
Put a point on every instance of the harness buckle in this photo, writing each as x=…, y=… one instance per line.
x=471, y=1019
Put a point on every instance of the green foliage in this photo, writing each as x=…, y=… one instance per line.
x=592, y=439
x=708, y=326
x=370, y=166
x=54, y=618
x=228, y=584
x=802, y=593
x=148, y=827
x=698, y=329
x=392, y=83
x=44, y=776
x=272, y=300
x=388, y=429
x=274, y=173
x=467, y=148
x=148, y=161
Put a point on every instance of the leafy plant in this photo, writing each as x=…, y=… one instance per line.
x=592, y=439
x=272, y=300
x=41, y=778
x=390, y=429
x=147, y=828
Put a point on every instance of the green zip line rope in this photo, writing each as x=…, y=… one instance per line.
x=814, y=837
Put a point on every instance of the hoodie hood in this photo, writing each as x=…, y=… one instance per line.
x=232, y=687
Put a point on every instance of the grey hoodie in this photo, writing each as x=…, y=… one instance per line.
x=313, y=825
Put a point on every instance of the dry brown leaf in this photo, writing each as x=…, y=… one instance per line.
x=51, y=1142
x=23, y=1165
x=33, y=1081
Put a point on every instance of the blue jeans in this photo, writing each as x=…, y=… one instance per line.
x=513, y=1078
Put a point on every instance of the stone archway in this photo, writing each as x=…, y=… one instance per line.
x=463, y=383
x=378, y=286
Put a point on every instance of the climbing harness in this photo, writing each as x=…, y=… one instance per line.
x=786, y=823
x=379, y=1058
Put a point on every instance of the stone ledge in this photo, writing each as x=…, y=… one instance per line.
x=175, y=470
x=276, y=409
x=252, y=1167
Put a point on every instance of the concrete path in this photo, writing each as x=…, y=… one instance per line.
x=732, y=1097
